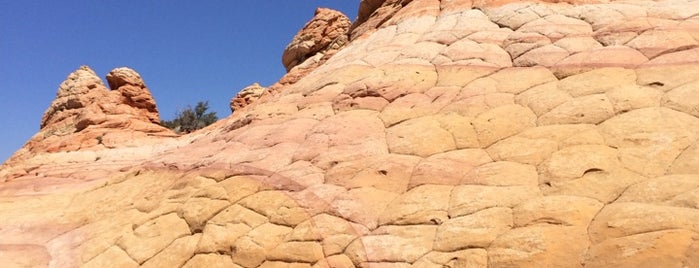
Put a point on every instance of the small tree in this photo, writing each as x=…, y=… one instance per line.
x=191, y=119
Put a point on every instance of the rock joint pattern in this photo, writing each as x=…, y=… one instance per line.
x=451, y=134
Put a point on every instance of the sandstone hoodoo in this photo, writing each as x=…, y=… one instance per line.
x=86, y=115
x=134, y=92
x=325, y=32
x=83, y=100
x=441, y=134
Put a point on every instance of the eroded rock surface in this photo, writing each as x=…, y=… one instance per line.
x=326, y=31
x=513, y=134
x=323, y=36
x=246, y=96
x=86, y=116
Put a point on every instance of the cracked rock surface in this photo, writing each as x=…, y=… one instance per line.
x=446, y=134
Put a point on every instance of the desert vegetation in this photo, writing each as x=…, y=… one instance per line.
x=190, y=119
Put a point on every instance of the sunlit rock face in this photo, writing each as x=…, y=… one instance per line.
x=246, y=96
x=448, y=134
x=326, y=31
x=86, y=117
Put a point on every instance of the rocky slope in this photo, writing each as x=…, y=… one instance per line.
x=443, y=134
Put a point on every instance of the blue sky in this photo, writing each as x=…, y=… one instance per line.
x=186, y=51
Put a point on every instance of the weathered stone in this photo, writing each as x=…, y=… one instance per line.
x=605, y=186
x=650, y=139
x=275, y=264
x=560, y=210
x=576, y=161
x=592, y=109
x=247, y=253
x=197, y=211
x=246, y=96
x=146, y=240
x=610, y=56
x=534, y=246
x=557, y=26
x=391, y=246
x=468, y=199
x=421, y=136
x=308, y=252
x=657, y=42
x=471, y=258
x=428, y=134
x=663, y=190
x=684, y=163
x=113, y=256
x=523, y=150
x=621, y=219
x=278, y=207
x=547, y=55
x=427, y=204
x=220, y=238
x=664, y=247
x=85, y=114
x=363, y=205
x=210, y=260
x=387, y=172
x=683, y=99
x=134, y=92
x=502, y=122
x=597, y=81
x=476, y=230
x=176, y=254
x=448, y=168
x=542, y=99
x=33, y=256
x=327, y=30
x=339, y=261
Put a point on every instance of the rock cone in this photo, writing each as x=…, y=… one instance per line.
x=447, y=134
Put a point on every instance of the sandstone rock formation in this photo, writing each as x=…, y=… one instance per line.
x=87, y=116
x=373, y=13
x=454, y=134
x=134, y=92
x=326, y=31
x=323, y=36
x=246, y=96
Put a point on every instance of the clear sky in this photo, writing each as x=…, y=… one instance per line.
x=186, y=51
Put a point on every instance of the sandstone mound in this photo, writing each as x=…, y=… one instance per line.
x=246, y=96
x=448, y=134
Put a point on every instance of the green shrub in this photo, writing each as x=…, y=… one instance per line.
x=191, y=119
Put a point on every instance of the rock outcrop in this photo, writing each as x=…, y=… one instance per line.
x=451, y=134
x=323, y=36
x=133, y=92
x=325, y=32
x=83, y=100
x=86, y=115
x=373, y=13
x=246, y=96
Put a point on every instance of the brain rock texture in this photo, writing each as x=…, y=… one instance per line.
x=447, y=134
